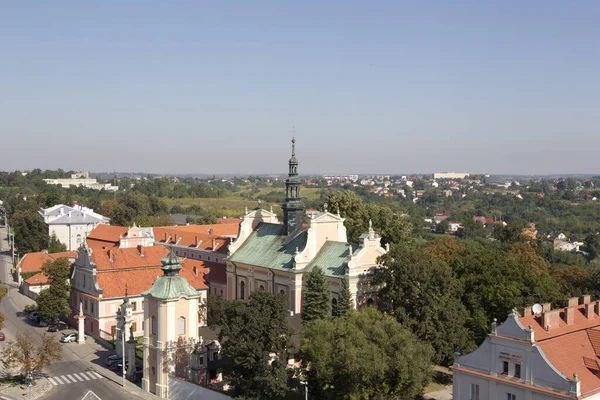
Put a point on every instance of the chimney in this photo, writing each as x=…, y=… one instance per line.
x=214, y=243
x=175, y=238
x=546, y=307
x=165, y=237
x=570, y=315
x=589, y=310
x=111, y=254
x=550, y=319
x=141, y=250
x=573, y=302
x=526, y=311
x=585, y=299
x=196, y=241
x=597, y=306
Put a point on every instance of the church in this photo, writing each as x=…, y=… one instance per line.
x=273, y=256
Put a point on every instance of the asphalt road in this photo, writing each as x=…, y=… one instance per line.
x=74, y=376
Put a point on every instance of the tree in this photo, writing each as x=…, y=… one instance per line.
x=442, y=227
x=55, y=300
x=365, y=355
x=344, y=302
x=592, y=245
x=31, y=233
x=423, y=294
x=258, y=339
x=54, y=245
x=31, y=360
x=471, y=229
x=317, y=298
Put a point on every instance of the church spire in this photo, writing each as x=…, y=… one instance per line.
x=293, y=209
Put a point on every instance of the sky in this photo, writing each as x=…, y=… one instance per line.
x=364, y=86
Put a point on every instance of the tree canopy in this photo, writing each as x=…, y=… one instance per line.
x=54, y=301
x=317, y=298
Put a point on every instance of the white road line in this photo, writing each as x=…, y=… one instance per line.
x=97, y=374
x=78, y=377
x=71, y=378
x=85, y=376
x=52, y=381
x=91, y=375
x=58, y=380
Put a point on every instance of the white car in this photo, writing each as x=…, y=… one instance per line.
x=69, y=337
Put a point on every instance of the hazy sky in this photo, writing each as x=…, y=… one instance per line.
x=372, y=86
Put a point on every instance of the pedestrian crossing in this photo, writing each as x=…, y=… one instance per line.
x=74, y=378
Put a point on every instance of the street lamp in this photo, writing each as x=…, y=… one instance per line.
x=123, y=352
x=305, y=384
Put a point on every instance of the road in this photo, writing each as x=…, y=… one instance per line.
x=75, y=375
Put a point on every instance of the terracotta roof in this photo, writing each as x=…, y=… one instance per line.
x=129, y=268
x=217, y=272
x=37, y=279
x=107, y=233
x=215, y=229
x=594, y=337
x=32, y=262
x=580, y=323
x=191, y=239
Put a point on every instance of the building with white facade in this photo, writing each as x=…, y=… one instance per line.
x=450, y=175
x=71, y=225
x=82, y=179
x=538, y=354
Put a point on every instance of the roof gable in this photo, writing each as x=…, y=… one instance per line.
x=333, y=258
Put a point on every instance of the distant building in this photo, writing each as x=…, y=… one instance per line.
x=82, y=179
x=450, y=175
x=71, y=225
x=540, y=354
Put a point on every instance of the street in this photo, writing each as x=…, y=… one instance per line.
x=82, y=369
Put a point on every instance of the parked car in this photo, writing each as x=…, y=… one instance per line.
x=2, y=337
x=57, y=326
x=69, y=337
x=30, y=307
x=118, y=366
x=42, y=323
x=115, y=358
x=33, y=315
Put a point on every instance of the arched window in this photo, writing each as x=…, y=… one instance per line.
x=370, y=302
x=334, y=310
x=78, y=239
x=181, y=326
x=242, y=290
x=153, y=323
x=282, y=292
x=261, y=287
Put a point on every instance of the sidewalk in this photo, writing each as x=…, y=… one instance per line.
x=89, y=352
x=41, y=387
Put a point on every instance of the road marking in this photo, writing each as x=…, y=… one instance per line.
x=91, y=375
x=85, y=376
x=70, y=377
x=52, y=381
x=58, y=380
x=97, y=374
x=78, y=377
x=90, y=396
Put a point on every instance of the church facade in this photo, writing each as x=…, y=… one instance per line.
x=273, y=256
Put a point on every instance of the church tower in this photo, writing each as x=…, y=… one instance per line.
x=293, y=208
x=171, y=316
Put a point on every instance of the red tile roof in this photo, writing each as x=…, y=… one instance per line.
x=37, y=279
x=107, y=233
x=229, y=220
x=215, y=229
x=191, y=239
x=33, y=262
x=129, y=268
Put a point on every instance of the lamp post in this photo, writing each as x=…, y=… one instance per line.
x=305, y=384
x=123, y=353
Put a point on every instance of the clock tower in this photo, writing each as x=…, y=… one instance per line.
x=293, y=208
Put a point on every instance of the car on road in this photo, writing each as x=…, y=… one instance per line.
x=42, y=323
x=118, y=366
x=2, y=337
x=33, y=316
x=115, y=358
x=70, y=337
x=57, y=326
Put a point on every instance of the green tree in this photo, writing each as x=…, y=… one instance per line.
x=31, y=233
x=592, y=245
x=256, y=337
x=54, y=301
x=54, y=245
x=365, y=355
x=344, y=303
x=317, y=297
x=24, y=354
x=472, y=229
x=422, y=293
x=442, y=227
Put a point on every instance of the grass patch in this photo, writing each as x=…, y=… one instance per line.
x=439, y=381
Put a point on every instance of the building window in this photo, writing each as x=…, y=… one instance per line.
x=201, y=361
x=185, y=254
x=79, y=239
x=510, y=396
x=474, y=392
x=92, y=306
x=517, y=370
x=134, y=326
x=113, y=330
x=153, y=323
x=208, y=258
x=505, y=367
x=134, y=306
x=242, y=290
x=153, y=371
x=282, y=292
x=261, y=287
x=221, y=292
x=181, y=326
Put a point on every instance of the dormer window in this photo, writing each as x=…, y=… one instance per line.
x=517, y=370
x=504, y=367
